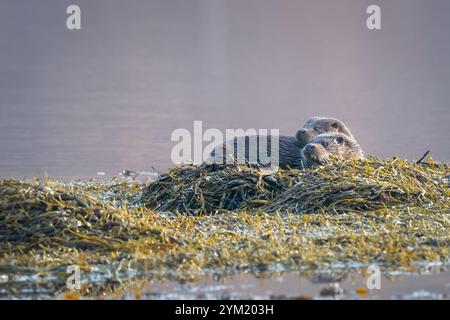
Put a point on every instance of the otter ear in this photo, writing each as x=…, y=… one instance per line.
x=335, y=125
x=340, y=140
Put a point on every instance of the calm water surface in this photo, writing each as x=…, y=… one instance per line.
x=107, y=98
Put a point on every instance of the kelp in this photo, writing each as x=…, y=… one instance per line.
x=46, y=213
x=208, y=189
x=341, y=187
x=223, y=219
x=365, y=186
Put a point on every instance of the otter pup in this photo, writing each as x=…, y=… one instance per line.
x=318, y=125
x=339, y=145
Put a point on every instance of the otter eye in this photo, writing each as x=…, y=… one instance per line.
x=325, y=144
x=334, y=125
x=316, y=129
x=340, y=140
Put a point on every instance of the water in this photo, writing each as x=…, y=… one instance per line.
x=343, y=285
x=107, y=98
x=337, y=284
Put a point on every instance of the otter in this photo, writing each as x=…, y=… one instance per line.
x=338, y=145
x=290, y=148
x=318, y=125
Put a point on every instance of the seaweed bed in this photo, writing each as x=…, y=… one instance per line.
x=223, y=219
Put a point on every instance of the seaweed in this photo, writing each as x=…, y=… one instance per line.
x=201, y=219
x=341, y=187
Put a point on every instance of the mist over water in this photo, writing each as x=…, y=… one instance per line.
x=108, y=97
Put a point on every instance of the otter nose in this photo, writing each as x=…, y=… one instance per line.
x=302, y=131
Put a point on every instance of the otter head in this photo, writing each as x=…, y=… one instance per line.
x=318, y=125
x=337, y=145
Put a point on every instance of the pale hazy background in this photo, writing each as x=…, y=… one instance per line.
x=108, y=97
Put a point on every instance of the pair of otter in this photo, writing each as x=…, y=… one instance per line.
x=319, y=138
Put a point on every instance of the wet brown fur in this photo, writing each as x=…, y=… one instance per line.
x=318, y=125
x=338, y=145
x=289, y=151
x=290, y=148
